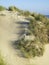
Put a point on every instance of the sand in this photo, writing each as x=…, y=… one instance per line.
x=7, y=34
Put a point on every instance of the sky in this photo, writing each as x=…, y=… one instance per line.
x=38, y=6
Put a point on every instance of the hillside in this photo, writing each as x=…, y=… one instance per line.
x=24, y=37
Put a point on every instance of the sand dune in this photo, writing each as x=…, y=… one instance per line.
x=7, y=34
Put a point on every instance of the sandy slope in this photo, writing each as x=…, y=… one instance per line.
x=7, y=34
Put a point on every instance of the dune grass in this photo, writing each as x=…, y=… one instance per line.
x=39, y=28
x=2, y=60
x=2, y=8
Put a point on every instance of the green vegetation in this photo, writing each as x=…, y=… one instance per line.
x=2, y=61
x=13, y=8
x=25, y=13
x=39, y=30
x=30, y=49
x=39, y=27
x=43, y=28
x=2, y=8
